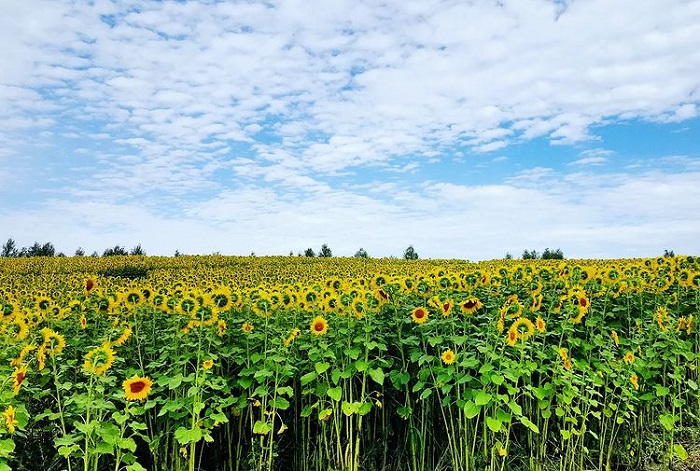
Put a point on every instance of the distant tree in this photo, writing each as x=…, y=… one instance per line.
x=38, y=250
x=291, y=253
x=410, y=253
x=552, y=254
x=530, y=255
x=116, y=250
x=138, y=250
x=361, y=253
x=9, y=248
x=79, y=252
x=60, y=254
x=669, y=253
x=325, y=251
x=94, y=254
x=509, y=256
x=309, y=252
x=177, y=253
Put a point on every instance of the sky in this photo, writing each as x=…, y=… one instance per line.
x=467, y=129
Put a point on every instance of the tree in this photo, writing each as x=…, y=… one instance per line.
x=309, y=252
x=361, y=253
x=410, y=253
x=325, y=251
x=79, y=252
x=509, y=256
x=552, y=254
x=9, y=249
x=116, y=250
x=137, y=250
x=530, y=255
x=669, y=253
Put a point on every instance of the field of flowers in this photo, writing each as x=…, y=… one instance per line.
x=290, y=363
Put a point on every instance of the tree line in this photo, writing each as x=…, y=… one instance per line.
x=10, y=249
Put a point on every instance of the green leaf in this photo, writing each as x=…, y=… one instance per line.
x=349, y=409
x=286, y=390
x=219, y=418
x=661, y=391
x=7, y=446
x=515, y=408
x=680, y=452
x=377, y=374
x=425, y=394
x=481, y=398
x=364, y=408
x=135, y=467
x=471, y=410
x=361, y=365
x=186, y=436
x=494, y=424
x=324, y=414
x=529, y=424
x=497, y=379
x=262, y=428
x=307, y=378
x=280, y=403
x=129, y=443
x=668, y=421
x=321, y=367
x=335, y=393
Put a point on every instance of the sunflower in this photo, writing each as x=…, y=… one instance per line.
x=629, y=358
x=18, y=378
x=446, y=307
x=420, y=315
x=512, y=336
x=53, y=341
x=523, y=322
x=10, y=420
x=247, y=327
x=635, y=381
x=470, y=305
x=448, y=357
x=83, y=322
x=319, y=326
x=99, y=360
x=125, y=335
x=22, y=354
x=540, y=324
x=221, y=328
x=615, y=338
x=207, y=364
x=89, y=285
x=567, y=364
x=564, y=354
x=137, y=388
x=293, y=335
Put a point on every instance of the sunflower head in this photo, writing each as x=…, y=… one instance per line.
x=448, y=357
x=99, y=360
x=420, y=315
x=319, y=326
x=137, y=388
x=247, y=327
x=207, y=364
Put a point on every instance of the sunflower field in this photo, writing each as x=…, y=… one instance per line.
x=285, y=363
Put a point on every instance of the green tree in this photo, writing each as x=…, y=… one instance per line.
x=325, y=251
x=116, y=250
x=530, y=255
x=79, y=252
x=410, y=253
x=309, y=252
x=138, y=250
x=361, y=253
x=9, y=248
x=552, y=254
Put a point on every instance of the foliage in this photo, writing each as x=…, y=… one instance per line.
x=410, y=253
x=325, y=251
x=361, y=253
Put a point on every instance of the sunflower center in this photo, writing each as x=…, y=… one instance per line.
x=318, y=326
x=137, y=387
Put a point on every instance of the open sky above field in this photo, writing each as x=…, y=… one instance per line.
x=467, y=129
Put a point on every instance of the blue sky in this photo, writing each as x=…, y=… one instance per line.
x=467, y=129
